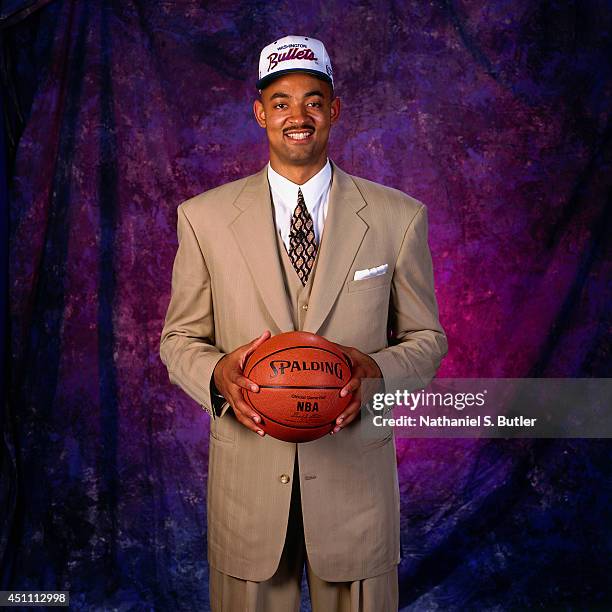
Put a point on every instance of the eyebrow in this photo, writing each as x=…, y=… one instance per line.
x=308, y=94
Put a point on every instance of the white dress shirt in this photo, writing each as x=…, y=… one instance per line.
x=316, y=197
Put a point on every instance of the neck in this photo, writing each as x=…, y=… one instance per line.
x=297, y=174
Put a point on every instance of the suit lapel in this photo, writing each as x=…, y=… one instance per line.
x=255, y=234
x=343, y=233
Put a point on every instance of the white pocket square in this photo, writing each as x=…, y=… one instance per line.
x=370, y=272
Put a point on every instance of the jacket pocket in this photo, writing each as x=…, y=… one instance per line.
x=365, y=284
x=221, y=431
x=377, y=442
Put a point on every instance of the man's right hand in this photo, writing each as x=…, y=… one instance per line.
x=229, y=380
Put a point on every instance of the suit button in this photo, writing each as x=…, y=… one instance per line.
x=284, y=478
x=304, y=306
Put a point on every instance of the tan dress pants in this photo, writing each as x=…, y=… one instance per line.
x=281, y=593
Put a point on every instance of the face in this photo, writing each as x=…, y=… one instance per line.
x=297, y=112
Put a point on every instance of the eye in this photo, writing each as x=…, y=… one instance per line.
x=315, y=104
x=279, y=105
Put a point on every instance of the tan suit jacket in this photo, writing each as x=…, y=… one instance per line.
x=227, y=288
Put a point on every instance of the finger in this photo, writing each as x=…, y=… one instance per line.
x=252, y=346
x=351, y=386
x=247, y=417
x=353, y=407
x=246, y=422
x=347, y=421
x=238, y=402
x=347, y=417
x=259, y=341
x=244, y=383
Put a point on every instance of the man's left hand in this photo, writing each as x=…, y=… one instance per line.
x=363, y=366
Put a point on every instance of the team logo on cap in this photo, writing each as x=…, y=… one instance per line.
x=293, y=54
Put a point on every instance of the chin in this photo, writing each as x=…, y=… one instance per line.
x=302, y=155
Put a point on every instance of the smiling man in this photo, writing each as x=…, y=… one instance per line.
x=297, y=110
x=301, y=245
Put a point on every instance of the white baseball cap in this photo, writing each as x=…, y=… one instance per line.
x=294, y=54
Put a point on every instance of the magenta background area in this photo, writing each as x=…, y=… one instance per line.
x=495, y=115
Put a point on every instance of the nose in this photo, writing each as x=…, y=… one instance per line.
x=298, y=114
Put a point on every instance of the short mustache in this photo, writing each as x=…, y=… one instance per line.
x=301, y=127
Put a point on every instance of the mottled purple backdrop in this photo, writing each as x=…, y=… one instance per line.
x=494, y=114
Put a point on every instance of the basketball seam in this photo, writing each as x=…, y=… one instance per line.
x=296, y=387
x=292, y=426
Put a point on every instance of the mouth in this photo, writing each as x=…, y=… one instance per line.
x=301, y=136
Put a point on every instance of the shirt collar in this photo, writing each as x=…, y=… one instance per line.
x=312, y=190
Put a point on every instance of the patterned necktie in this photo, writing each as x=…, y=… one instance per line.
x=302, y=243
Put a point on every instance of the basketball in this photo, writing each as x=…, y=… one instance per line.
x=300, y=376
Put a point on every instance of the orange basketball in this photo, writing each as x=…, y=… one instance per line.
x=299, y=376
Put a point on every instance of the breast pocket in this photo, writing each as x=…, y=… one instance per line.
x=354, y=286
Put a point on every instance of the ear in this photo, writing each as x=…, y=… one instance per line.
x=260, y=113
x=335, y=110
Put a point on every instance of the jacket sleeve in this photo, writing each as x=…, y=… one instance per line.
x=187, y=340
x=418, y=342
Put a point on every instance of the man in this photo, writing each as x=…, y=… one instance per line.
x=300, y=245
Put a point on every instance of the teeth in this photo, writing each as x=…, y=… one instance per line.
x=299, y=135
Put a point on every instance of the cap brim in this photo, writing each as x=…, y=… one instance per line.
x=263, y=83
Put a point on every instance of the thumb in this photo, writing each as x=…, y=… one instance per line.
x=346, y=351
x=253, y=345
x=259, y=341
